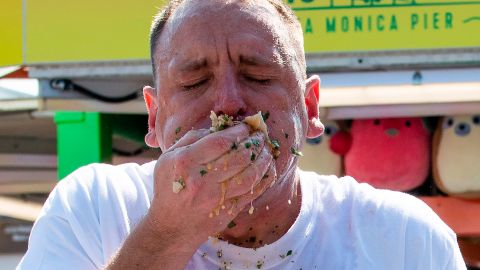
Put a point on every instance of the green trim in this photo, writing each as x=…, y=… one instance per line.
x=82, y=138
x=387, y=6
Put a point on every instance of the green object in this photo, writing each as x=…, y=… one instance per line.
x=82, y=138
x=231, y=224
x=130, y=126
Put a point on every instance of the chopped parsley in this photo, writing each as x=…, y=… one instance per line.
x=226, y=121
x=286, y=135
x=265, y=115
x=234, y=146
x=222, y=127
x=252, y=157
x=275, y=144
x=286, y=255
x=231, y=224
x=256, y=142
x=248, y=145
x=178, y=130
x=296, y=152
x=203, y=172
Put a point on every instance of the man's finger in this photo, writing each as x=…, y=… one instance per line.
x=189, y=138
x=235, y=161
x=216, y=144
x=247, y=180
x=234, y=205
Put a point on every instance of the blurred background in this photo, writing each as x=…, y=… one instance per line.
x=400, y=98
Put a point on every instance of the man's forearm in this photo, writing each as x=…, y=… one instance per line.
x=147, y=248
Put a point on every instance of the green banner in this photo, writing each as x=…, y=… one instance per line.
x=369, y=25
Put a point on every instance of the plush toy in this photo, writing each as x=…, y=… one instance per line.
x=324, y=153
x=456, y=155
x=389, y=153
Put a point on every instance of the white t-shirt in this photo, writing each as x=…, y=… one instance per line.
x=341, y=225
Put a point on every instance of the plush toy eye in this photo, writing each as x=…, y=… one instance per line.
x=476, y=119
x=448, y=122
x=408, y=123
x=330, y=131
x=376, y=122
x=462, y=129
x=314, y=141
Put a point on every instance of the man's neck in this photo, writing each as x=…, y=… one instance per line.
x=275, y=212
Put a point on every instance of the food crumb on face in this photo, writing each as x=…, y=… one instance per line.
x=250, y=211
x=256, y=122
x=178, y=185
x=220, y=122
x=275, y=144
x=295, y=152
x=260, y=264
x=177, y=130
x=231, y=224
x=203, y=172
x=265, y=115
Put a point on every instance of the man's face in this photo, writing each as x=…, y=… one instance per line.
x=232, y=59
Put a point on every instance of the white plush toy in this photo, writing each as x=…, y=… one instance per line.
x=324, y=154
x=456, y=155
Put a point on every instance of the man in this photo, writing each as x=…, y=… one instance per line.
x=234, y=205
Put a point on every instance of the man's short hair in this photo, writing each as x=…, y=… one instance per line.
x=286, y=13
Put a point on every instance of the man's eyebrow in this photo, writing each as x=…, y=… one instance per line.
x=257, y=61
x=192, y=65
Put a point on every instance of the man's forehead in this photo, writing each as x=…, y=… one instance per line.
x=231, y=14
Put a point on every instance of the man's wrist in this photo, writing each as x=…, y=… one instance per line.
x=174, y=237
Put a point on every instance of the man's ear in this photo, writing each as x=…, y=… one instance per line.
x=150, y=96
x=312, y=93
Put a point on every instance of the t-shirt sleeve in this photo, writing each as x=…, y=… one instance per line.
x=400, y=231
x=66, y=235
x=430, y=243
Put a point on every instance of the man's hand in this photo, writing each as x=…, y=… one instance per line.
x=222, y=173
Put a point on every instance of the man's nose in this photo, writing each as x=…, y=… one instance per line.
x=229, y=98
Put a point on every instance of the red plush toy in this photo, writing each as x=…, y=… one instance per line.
x=389, y=153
